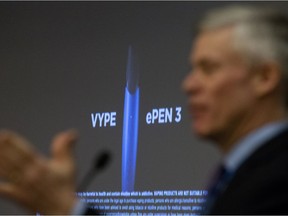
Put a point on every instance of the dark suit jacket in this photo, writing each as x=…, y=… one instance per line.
x=260, y=185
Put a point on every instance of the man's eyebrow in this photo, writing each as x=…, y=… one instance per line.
x=202, y=62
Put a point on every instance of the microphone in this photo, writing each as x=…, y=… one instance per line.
x=100, y=162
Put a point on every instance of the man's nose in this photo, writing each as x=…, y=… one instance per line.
x=191, y=84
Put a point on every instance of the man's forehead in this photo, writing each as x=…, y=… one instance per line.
x=212, y=43
x=216, y=34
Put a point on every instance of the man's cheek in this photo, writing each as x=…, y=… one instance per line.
x=218, y=114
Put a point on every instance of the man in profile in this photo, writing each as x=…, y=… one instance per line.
x=237, y=96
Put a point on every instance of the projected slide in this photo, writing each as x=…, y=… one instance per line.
x=129, y=200
x=113, y=71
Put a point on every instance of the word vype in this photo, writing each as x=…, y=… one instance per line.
x=105, y=119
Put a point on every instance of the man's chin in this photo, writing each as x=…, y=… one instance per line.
x=200, y=131
x=204, y=133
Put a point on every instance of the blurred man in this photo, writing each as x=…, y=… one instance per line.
x=237, y=93
x=237, y=98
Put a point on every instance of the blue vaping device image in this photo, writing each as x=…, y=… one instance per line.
x=130, y=123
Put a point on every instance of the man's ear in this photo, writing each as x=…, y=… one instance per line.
x=267, y=78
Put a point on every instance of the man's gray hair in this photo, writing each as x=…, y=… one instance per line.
x=260, y=34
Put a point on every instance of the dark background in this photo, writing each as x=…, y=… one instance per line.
x=62, y=61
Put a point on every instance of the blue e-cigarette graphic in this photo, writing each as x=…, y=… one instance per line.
x=130, y=123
